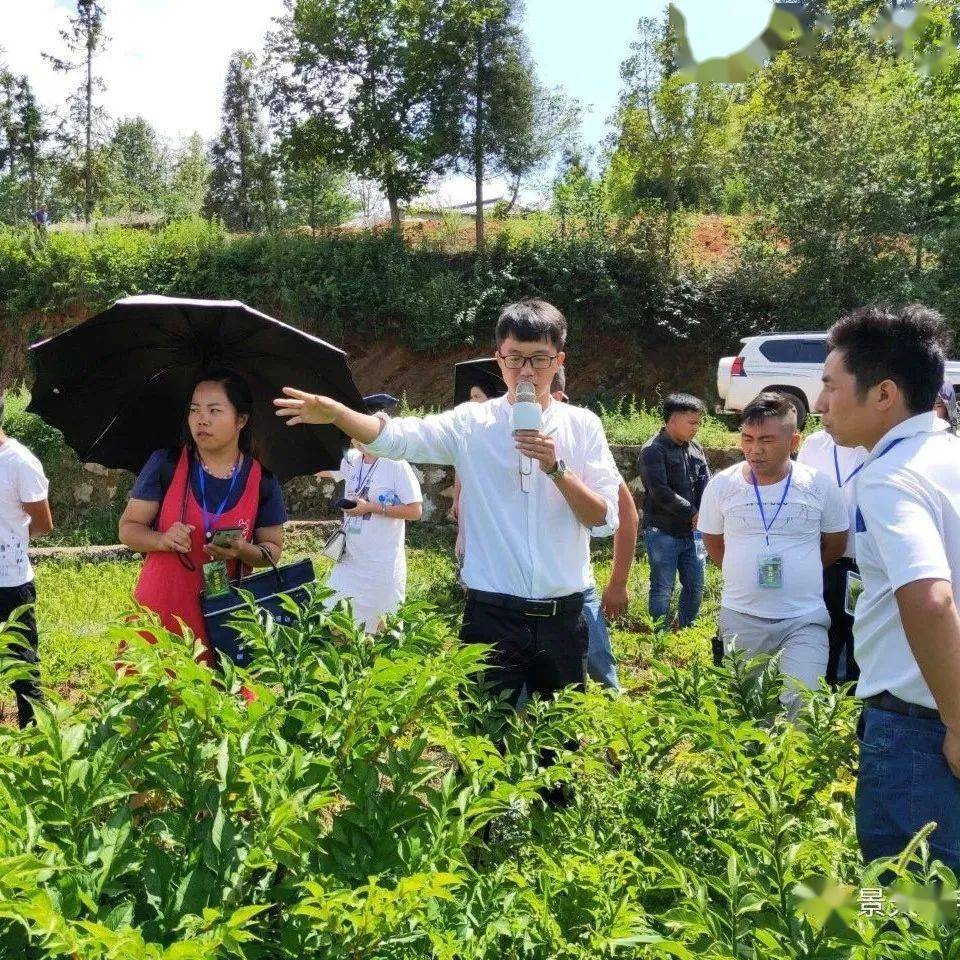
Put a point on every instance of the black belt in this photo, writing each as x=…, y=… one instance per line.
x=887, y=701
x=573, y=603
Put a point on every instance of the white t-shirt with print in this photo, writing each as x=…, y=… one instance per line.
x=813, y=506
x=374, y=557
x=817, y=451
x=22, y=480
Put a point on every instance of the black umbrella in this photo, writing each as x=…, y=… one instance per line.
x=118, y=385
x=484, y=374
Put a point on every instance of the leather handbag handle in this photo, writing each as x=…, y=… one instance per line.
x=268, y=557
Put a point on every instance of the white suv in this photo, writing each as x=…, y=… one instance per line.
x=789, y=363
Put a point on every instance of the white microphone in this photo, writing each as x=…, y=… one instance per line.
x=526, y=415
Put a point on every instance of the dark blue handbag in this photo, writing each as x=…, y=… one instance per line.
x=266, y=587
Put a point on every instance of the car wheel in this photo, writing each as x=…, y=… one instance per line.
x=799, y=404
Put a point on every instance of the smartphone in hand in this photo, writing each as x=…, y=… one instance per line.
x=226, y=537
x=344, y=504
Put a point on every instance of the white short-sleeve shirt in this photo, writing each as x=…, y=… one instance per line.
x=374, y=538
x=909, y=500
x=22, y=480
x=813, y=506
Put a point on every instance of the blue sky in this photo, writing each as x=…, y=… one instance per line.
x=580, y=44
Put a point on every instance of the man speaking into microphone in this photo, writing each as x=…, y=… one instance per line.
x=534, y=493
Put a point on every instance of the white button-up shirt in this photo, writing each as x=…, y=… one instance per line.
x=909, y=500
x=526, y=544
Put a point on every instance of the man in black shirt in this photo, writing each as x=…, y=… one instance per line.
x=674, y=472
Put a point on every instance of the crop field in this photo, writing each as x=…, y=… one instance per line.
x=372, y=803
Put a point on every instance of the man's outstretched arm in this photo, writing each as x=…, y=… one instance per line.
x=430, y=439
x=300, y=407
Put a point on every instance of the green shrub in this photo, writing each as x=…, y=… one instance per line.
x=372, y=802
x=370, y=284
x=633, y=423
x=44, y=441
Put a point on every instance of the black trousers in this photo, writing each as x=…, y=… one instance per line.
x=543, y=654
x=25, y=647
x=841, y=665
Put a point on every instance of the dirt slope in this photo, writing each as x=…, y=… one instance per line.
x=603, y=368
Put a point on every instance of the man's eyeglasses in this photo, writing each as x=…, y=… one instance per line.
x=514, y=361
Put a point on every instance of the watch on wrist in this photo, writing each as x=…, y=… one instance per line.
x=559, y=469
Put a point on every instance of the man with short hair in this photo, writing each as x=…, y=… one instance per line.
x=601, y=663
x=880, y=381
x=24, y=514
x=527, y=562
x=842, y=464
x=773, y=525
x=674, y=472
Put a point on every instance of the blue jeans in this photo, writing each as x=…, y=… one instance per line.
x=670, y=555
x=903, y=783
x=600, y=663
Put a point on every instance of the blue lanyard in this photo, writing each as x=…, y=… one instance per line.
x=836, y=466
x=208, y=522
x=361, y=477
x=861, y=526
x=767, y=527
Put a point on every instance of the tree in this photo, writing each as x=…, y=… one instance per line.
x=242, y=189
x=670, y=150
x=579, y=200
x=84, y=39
x=368, y=199
x=8, y=128
x=511, y=124
x=187, y=190
x=366, y=82
x=137, y=173
x=33, y=137
x=850, y=155
x=314, y=193
x=23, y=137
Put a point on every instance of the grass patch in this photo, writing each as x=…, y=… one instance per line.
x=632, y=423
x=79, y=602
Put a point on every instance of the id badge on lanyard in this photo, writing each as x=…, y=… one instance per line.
x=770, y=571
x=769, y=562
x=852, y=592
x=354, y=525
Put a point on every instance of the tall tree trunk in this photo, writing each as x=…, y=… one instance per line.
x=88, y=165
x=394, y=212
x=514, y=195
x=478, y=143
x=34, y=192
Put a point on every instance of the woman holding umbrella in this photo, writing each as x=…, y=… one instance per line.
x=183, y=497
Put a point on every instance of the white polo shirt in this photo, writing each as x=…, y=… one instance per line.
x=820, y=452
x=909, y=500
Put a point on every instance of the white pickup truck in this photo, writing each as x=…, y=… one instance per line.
x=790, y=363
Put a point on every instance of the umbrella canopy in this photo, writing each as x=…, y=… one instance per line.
x=118, y=385
x=484, y=374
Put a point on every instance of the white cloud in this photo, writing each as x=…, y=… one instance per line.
x=166, y=59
